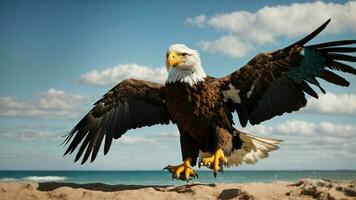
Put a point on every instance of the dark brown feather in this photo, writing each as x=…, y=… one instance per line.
x=118, y=111
x=90, y=147
x=200, y=112
x=310, y=36
x=334, y=78
x=334, y=43
x=108, y=141
x=338, y=49
x=342, y=57
x=83, y=146
x=306, y=88
x=96, y=147
x=189, y=147
x=341, y=67
x=283, y=95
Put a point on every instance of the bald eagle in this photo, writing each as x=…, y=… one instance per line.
x=201, y=106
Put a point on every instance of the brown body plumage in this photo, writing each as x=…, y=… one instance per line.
x=201, y=115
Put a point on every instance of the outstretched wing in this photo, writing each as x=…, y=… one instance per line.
x=131, y=104
x=274, y=83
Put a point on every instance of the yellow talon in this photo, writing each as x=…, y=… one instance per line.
x=207, y=161
x=183, y=171
x=215, y=161
x=180, y=168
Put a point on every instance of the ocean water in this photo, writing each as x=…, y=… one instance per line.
x=164, y=178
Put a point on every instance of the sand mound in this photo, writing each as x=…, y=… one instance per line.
x=303, y=189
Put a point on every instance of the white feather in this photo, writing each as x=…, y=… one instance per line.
x=190, y=72
x=232, y=94
x=253, y=147
x=250, y=91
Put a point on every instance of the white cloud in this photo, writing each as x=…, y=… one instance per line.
x=331, y=103
x=337, y=130
x=197, y=21
x=296, y=127
x=228, y=45
x=305, y=140
x=169, y=135
x=269, y=23
x=306, y=129
x=259, y=129
x=114, y=75
x=151, y=139
x=134, y=140
x=289, y=20
x=50, y=104
x=30, y=133
x=329, y=140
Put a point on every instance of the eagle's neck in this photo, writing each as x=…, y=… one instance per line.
x=189, y=76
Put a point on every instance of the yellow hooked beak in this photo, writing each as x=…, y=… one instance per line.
x=173, y=59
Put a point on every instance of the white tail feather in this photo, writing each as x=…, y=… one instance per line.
x=264, y=139
x=253, y=147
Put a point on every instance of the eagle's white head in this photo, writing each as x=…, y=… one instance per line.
x=184, y=65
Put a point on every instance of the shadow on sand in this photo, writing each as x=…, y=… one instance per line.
x=49, y=186
x=233, y=193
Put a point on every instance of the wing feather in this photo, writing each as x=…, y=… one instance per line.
x=274, y=83
x=341, y=67
x=108, y=141
x=96, y=147
x=334, y=78
x=333, y=43
x=131, y=104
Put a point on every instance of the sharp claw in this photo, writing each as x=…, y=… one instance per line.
x=192, y=175
x=181, y=172
x=182, y=178
x=186, y=179
x=216, y=162
x=168, y=168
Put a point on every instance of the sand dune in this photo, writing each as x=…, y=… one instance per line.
x=304, y=189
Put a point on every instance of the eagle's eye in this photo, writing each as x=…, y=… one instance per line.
x=184, y=54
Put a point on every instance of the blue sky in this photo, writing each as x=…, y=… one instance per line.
x=58, y=57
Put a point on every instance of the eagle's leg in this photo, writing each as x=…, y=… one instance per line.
x=183, y=171
x=190, y=152
x=215, y=161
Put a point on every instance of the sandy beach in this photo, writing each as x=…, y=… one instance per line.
x=303, y=189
